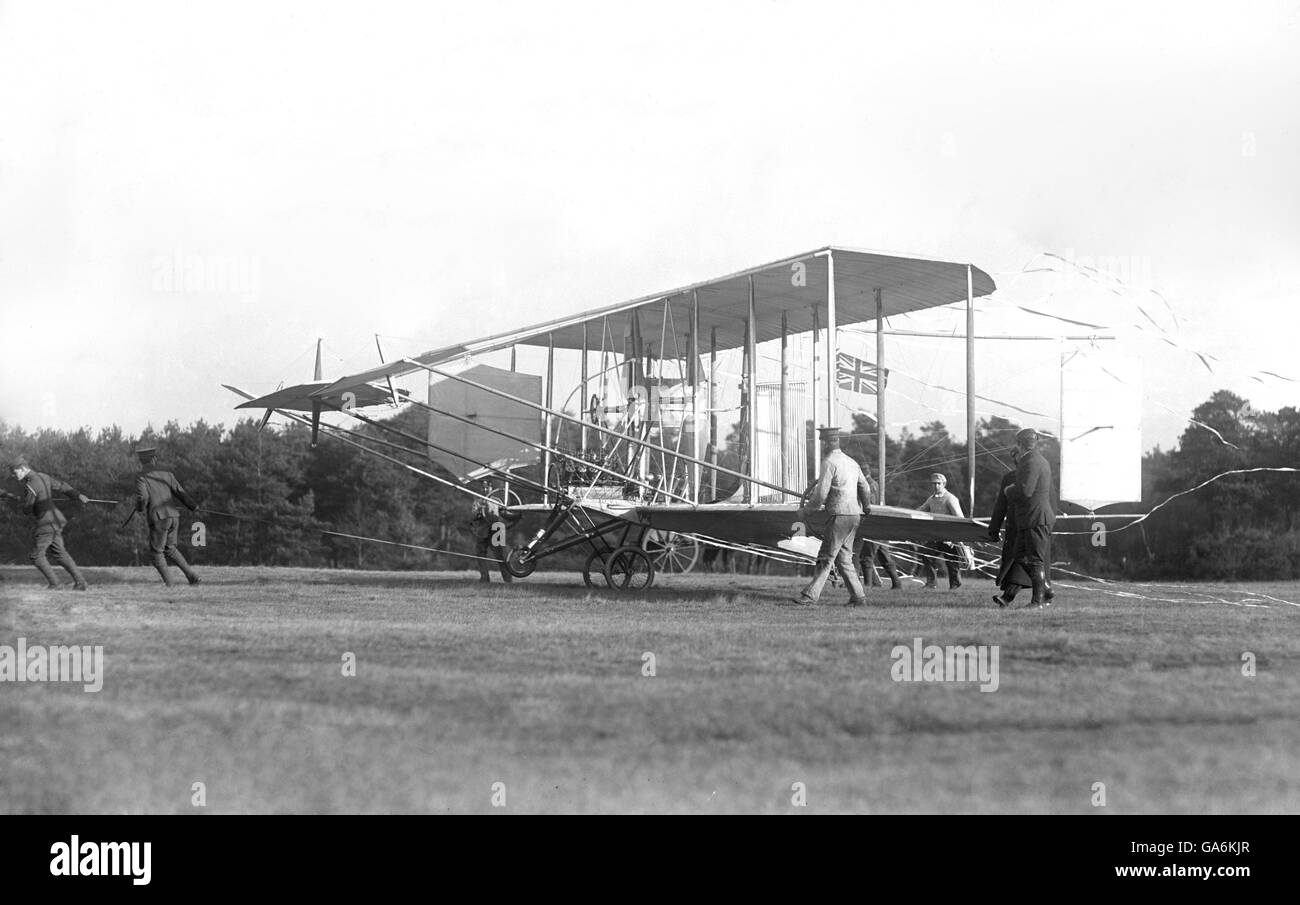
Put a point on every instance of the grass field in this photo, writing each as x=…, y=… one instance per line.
x=538, y=685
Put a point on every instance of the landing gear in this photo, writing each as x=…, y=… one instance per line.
x=673, y=553
x=629, y=568
x=594, y=568
x=520, y=562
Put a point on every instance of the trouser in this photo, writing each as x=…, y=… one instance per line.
x=931, y=554
x=50, y=537
x=484, y=547
x=837, y=552
x=162, y=547
x=1034, y=547
x=872, y=554
x=1011, y=570
x=1034, y=553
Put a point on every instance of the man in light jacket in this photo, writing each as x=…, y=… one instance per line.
x=843, y=494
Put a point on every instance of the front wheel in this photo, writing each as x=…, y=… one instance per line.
x=629, y=569
x=520, y=562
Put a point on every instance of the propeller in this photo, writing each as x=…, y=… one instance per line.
x=315, y=406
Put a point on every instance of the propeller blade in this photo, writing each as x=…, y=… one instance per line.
x=392, y=393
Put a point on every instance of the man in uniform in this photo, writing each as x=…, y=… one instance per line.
x=484, y=518
x=1011, y=574
x=156, y=494
x=941, y=502
x=842, y=491
x=871, y=553
x=38, y=502
x=1031, y=496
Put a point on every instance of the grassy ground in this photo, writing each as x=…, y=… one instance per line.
x=237, y=684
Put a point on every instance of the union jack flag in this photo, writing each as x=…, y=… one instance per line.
x=856, y=375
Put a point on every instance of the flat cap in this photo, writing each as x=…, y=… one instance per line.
x=938, y=477
x=18, y=462
x=1028, y=435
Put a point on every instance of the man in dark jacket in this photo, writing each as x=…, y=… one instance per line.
x=1031, y=496
x=38, y=502
x=1011, y=574
x=156, y=494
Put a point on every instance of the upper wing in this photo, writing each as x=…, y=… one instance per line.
x=789, y=289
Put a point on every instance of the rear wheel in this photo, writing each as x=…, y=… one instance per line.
x=595, y=567
x=629, y=569
x=504, y=497
x=672, y=552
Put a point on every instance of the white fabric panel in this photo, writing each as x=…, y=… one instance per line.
x=1101, y=428
x=768, y=439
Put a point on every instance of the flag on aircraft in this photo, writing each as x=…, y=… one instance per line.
x=858, y=376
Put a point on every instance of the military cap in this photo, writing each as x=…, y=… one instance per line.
x=145, y=453
x=829, y=436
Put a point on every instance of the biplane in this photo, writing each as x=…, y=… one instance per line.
x=641, y=430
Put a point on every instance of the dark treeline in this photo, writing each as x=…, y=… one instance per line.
x=1242, y=527
x=279, y=494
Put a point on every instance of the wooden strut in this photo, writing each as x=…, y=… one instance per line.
x=695, y=394
x=882, y=437
x=970, y=390
x=751, y=391
x=784, y=387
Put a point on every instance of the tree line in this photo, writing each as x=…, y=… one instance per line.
x=268, y=498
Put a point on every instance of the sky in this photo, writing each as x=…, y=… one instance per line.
x=191, y=194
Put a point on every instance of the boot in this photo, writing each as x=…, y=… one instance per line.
x=931, y=576
x=52, y=580
x=70, y=566
x=179, y=559
x=1048, y=593
x=954, y=578
x=1040, y=587
x=1008, y=594
x=892, y=571
x=160, y=563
